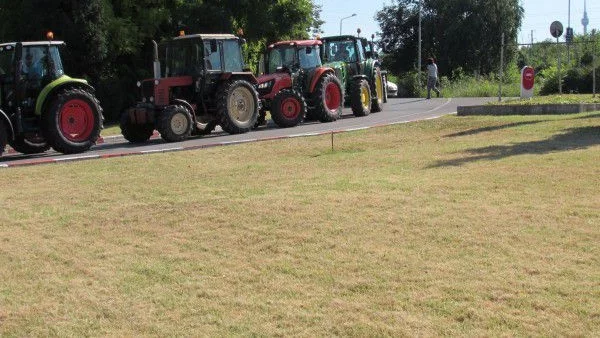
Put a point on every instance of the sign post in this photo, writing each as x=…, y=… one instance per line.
x=556, y=29
x=527, y=82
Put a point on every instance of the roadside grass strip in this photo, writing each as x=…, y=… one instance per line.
x=470, y=226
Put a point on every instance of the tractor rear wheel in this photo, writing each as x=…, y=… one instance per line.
x=134, y=132
x=175, y=123
x=29, y=144
x=288, y=108
x=379, y=97
x=328, y=99
x=73, y=122
x=3, y=136
x=237, y=106
x=360, y=97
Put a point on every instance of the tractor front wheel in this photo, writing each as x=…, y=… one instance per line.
x=328, y=99
x=29, y=144
x=175, y=124
x=360, y=97
x=133, y=132
x=3, y=136
x=73, y=122
x=237, y=106
x=288, y=108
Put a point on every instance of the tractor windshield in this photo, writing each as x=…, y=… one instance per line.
x=182, y=57
x=292, y=57
x=284, y=56
x=343, y=50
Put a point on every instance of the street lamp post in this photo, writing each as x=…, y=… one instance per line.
x=342, y=19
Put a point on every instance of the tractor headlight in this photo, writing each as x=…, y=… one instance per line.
x=144, y=99
x=152, y=99
x=139, y=84
x=266, y=85
x=156, y=82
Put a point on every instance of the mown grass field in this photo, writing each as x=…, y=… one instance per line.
x=480, y=226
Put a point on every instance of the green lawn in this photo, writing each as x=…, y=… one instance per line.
x=478, y=226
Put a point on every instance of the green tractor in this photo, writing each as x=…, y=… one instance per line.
x=353, y=59
x=40, y=106
x=200, y=81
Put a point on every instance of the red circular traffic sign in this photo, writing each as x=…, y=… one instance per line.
x=528, y=78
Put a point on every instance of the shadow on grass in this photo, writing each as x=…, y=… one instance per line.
x=572, y=139
x=493, y=128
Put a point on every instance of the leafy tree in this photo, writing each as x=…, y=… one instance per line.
x=457, y=33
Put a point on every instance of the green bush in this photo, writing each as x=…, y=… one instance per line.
x=574, y=80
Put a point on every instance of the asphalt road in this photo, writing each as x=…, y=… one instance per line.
x=395, y=111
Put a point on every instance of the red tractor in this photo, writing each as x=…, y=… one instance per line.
x=293, y=81
x=205, y=84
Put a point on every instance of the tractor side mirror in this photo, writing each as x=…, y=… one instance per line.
x=308, y=50
x=213, y=46
x=243, y=41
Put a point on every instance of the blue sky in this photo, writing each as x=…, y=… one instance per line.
x=539, y=14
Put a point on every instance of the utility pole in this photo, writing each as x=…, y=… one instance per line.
x=419, y=54
x=501, y=66
x=568, y=42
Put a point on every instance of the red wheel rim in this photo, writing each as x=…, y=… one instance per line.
x=290, y=107
x=333, y=97
x=76, y=120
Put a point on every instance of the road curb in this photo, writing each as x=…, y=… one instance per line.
x=538, y=109
x=108, y=139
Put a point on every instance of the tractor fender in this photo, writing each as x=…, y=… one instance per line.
x=317, y=76
x=9, y=126
x=55, y=86
x=361, y=76
x=248, y=76
x=188, y=106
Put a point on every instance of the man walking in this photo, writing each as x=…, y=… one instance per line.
x=432, y=78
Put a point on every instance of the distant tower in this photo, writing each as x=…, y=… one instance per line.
x=585, y=21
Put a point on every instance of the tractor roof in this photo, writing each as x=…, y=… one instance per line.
x=34, y=43
x=301, y=43
x=208, y=37
x=340, y=37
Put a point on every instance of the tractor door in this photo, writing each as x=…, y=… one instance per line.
x=213, y=63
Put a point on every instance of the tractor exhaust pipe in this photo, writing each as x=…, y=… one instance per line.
x=156, y=63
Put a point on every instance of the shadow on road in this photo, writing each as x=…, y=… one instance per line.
x=572, y=139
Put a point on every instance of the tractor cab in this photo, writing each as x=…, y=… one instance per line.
x=347, y=49
x=25, y=69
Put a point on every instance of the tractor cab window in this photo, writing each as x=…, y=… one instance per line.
x=281, y=57
x=212, y=59
x=183, y=58
x=361, y=50
x=7, y=55
x=55, y=66
x=233, y=56
x=309, y=57
x=340, y=51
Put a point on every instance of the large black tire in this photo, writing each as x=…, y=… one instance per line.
x=360, y=97
x=133, y=132
x=3, y=136
x=175, y=123
x=378, y=92
x=237, y=106
x=29, y=144
x=73, y=122
x=288, y=108
x=328, y=99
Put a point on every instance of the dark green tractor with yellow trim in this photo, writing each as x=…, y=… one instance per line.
x=40, y=106
x=355, y=64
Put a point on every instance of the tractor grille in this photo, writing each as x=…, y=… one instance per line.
x=147, y=89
